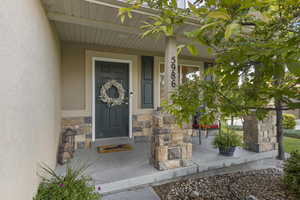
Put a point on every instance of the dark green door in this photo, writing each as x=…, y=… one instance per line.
x=111, y=121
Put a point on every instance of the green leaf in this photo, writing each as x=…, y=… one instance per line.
x=129, y=14
x=192, y=49
x=294, y=67
x=192, y=7
x=209, y=50
x=219, y=15
x=146, y=33
x=179, y=48
x=168, y=30
x=157, y=23
x=174, y=3
x=209, y=25
x=122, y=18
x=197, y=31
x=230, y=29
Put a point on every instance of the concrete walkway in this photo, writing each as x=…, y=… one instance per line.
x=147, y=193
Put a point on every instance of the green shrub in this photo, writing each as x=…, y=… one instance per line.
x=227, y=139
x=289, y=121
x=72, y=186
x=291, y=170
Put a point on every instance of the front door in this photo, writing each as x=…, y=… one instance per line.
x=111, y=120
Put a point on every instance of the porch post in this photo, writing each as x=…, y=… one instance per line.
x=260, y=135
x=171, y=67
x=171, y=145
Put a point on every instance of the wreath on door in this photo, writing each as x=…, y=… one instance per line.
x=109, y=100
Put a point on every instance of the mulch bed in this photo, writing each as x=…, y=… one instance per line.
x=262, y=184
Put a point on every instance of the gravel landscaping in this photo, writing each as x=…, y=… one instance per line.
x=250, y=185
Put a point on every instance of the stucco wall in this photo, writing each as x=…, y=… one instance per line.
x=30, y=97
x=73, y=78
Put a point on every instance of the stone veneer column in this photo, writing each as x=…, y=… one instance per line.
x=260, y=136
x=171, y=146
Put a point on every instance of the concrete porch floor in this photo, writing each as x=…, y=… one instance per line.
x=122, y=170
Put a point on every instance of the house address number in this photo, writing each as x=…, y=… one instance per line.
x=173, y=72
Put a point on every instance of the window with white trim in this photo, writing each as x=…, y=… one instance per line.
x=186, y=72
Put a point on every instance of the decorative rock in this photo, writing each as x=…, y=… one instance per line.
x=247, y=185
x=250, y=197
x=194, y=194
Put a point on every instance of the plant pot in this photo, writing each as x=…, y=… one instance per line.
x=227, y=151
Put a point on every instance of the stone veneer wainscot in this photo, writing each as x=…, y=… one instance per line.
x=83, y=126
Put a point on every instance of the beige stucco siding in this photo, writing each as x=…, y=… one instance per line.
x=73, y=78
x=30, y=97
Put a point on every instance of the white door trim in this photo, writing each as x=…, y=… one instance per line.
x=94, y=59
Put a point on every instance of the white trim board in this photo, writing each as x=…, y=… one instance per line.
x=74, y=113
x=93, y=92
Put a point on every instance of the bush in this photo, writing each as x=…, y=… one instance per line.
x=291, y=170
x=227, y=139
x=289, y=121
x=73, y=186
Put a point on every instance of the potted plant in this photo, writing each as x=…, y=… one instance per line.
x=227, y=142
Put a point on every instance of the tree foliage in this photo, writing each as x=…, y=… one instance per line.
x=256, y=48
x=292, y=173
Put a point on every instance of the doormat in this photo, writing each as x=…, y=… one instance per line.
x=114, y=148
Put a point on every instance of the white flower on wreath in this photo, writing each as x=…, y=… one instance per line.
x=112, y=101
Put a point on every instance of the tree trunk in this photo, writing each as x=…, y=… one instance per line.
x=279, y=119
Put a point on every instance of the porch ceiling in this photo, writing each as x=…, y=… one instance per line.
x=92, y=23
